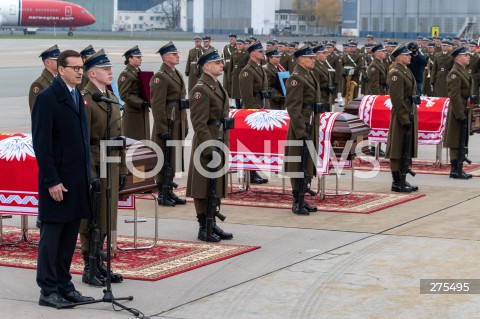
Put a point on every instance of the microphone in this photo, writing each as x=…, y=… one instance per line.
x=98, y=97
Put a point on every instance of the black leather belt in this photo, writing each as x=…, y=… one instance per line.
x=214, y=122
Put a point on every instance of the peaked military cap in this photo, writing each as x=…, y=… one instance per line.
x=248, y=41
x=463, y=41
x=449, y=38
x=369, y=45
x=207, y=38
x=88, y=51
x=269, y=42
x=430, y=44
x=135, y=51
x=352, y=44
x=282, y=44
x=210, y=55
x=419, y=37
x=446, y=42
x=241, y=41
x=334, y=41
x=232, y=35
x=401, y=49
x=329, y=45
x=292, y=45
x=392, y=44
x=318, y=48
x=304, y=51
x=50, y=53
x=253, y=38
x=272, y=53
x=472, y=43
x=98, y=59
x=369, y=37
x=197, y=38
x=378, y=47
x=458, y=51
x=167, y=48
x=257, y=46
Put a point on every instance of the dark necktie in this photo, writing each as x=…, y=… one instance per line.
x=75, y=100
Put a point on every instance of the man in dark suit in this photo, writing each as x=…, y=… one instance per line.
x=61, y=145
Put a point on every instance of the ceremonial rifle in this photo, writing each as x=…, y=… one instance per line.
x=168, y=173
x=406, y=159
x=463, y=146
x=96, y=236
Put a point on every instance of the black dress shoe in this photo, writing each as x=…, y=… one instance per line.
x=165, y=201
x=299, y=211
x=221, y=233
x=309, y=208
x=176, y=199
x=76, y=296
x=54, y=300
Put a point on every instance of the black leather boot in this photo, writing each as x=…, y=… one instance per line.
x=98, y=280
x=115, y=278
x=221, y=233
x=163, y=201
x=175, y=198
x=454, y=169
x=202, y=231
x=461, y=174
x=296, y=209
x=256, y=179
x=397, y=184
x=309, y=208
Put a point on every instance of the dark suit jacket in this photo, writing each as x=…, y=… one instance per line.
x=62, y=149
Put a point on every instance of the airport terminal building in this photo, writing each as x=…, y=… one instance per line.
x=409, y=18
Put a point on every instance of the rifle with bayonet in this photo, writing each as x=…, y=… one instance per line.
x=96, y=236
x=168, y=173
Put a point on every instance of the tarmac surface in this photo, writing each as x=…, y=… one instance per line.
x=326, y=265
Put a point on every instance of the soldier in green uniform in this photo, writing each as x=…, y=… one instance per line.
x=85, y=53
x=377, y=72
x=209, y=107
x=207, y=44
x=390, y=46
x=367, y=58
x=334, y=63
x=272, y=67
x=353, y=59
x=426, y=85
x=303, y=90
x=402, y=87
x=136, y=118
x=253, y=87
x=99, y=69
x=167, y=90
x=191, y=65
x=286, y=59
x=369, y=43
x=474, y=67
x=442, y=64
x=228, y=51
x=238, y=61
x=460, y=88
x=49, y=58
x=321, y=74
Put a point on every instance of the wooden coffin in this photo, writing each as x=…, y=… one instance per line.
x=475, y=126
x=353, y=107
x=144, y=160
x=348, y=127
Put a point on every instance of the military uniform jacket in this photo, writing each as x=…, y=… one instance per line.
x=191, y=66
x=287, y=61
x=278, y=100
x=166, y=89
x=377, y=76
x=323, y=78
x=136, y=120
x=84, y=82
x=402, y=86
x=426, y=85
x=354, y=60
x=38, y=85
x=302, y=89
x=460, y=88
x=442, y=64
x=239, y=60
x=474, y=70
x=208, y=101
x=335, y=62
x=228, y=51
x=97, y=128
x=253, y=81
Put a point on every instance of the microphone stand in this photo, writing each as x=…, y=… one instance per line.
x=107, y=293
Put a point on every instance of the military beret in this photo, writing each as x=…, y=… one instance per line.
x=50, y=53
x=167, y=48
x=87, y=51
x=98, y=59
x=458, y=51
x=378, y=47
x=135, y=51
x=401, y=49
x=210, y=55
x=304, y=51
x=257, y=46
x=272, y=53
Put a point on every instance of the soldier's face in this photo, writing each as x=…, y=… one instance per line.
x=240, y=46
x=215, y=68
x=307, y=62
x=404, y=59
x=171, y=58
x=275, y=60
x=233, y=40
x=51, y=65
x=198, y=44
x=103, y=75
x=136, y=61
x=463, y=59
x=321, y=56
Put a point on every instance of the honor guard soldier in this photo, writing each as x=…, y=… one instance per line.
x=85, y=53
x=367, y=58
x=239, y=60
x=228, y=51
x=208, y=111
x=169, y=108
x=99, y=69
x=334, y=63
x=390, y=46
x=353, y=59
x=474, y=66
x=442, y=64
x=254, y=89
x=322, y=75
x=269, y=46
x=136, y=118
x=207, y=43
x=191, y=66
x=285, y=59
x=369, y=42
x=377, y=72
x=427, y=88
x=303, y=93
x=49, y=58
x=272, y=68
x=460, y=88
x=403, y=118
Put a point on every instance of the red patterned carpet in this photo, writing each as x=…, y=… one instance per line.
x=420, y=167
x=272, y=197
x=167, y=258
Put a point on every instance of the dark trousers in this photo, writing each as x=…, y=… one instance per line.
x=55, y=252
